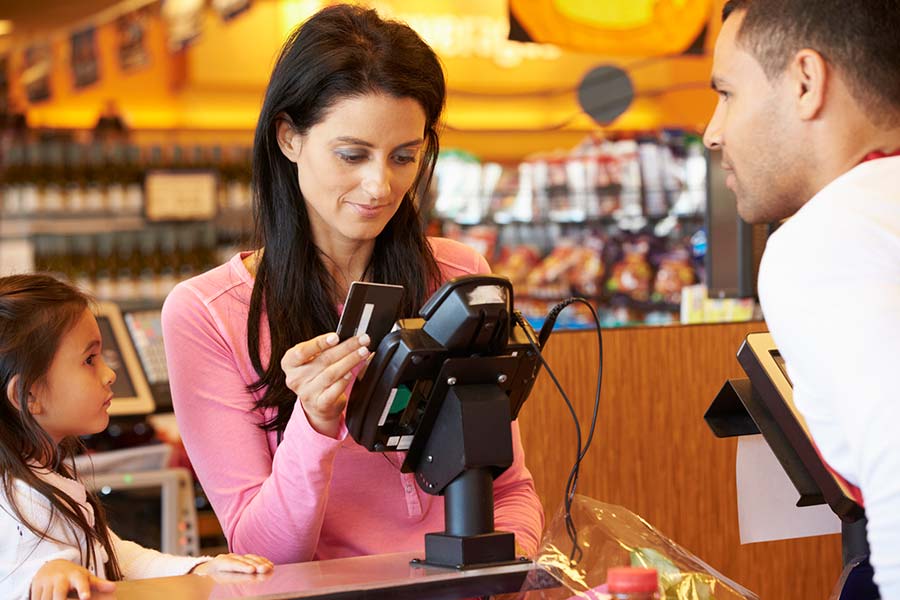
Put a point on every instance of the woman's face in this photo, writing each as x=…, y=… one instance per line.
x=355, y=166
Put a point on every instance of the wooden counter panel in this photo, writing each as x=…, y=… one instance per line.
x=653, y=453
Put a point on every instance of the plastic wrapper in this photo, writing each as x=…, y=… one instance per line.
x=611, y=536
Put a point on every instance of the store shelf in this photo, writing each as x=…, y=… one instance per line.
x=11, y=227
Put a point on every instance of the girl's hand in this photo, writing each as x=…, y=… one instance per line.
x=234, y=563
x=54, y=580
x=318, y=371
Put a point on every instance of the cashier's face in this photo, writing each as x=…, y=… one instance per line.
x=752, y=127
x=355, y=166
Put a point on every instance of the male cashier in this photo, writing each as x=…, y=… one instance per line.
x=808, y=122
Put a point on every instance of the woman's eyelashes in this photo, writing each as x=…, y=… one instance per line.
x=352, y=157
x=402, y=158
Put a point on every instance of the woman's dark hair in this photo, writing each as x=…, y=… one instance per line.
x=341, y=52
x=36, y=311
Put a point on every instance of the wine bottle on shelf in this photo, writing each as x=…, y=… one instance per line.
x=76, y=182
x=53, y=179
x=208, y=240
x=167, y=249
x=105, y=285
x=177, y=159
x=154, y=158
x=32, y=176
x=95, y=190
x=84, y=262
x=13, y=180
x=198, y=159
x=148, y=274
x=127, y=266
x=186, y=252
x=133, y=175
x=114, y=166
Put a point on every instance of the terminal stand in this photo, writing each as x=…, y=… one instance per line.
x=763, y=404
x=469, y=444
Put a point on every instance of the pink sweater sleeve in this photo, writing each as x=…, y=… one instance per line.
x=267, y=505
x=517, y=507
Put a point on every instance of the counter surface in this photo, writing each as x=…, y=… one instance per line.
x=378, y=576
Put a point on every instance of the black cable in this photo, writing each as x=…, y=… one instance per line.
x=572, y=481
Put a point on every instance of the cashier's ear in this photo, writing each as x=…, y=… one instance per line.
x=289, y=139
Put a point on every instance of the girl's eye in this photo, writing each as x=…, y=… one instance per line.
x=405, y=159
x=90, y=359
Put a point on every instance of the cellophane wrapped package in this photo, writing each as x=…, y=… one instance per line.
x=612, y=536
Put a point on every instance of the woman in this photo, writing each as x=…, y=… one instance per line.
x=345, y=143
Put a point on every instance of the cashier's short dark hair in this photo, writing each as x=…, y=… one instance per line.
x=859, y=39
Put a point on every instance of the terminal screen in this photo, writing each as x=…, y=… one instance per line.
x=112, y=356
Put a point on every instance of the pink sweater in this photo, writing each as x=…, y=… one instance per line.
x=311, y=497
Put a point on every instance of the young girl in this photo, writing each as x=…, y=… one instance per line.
x=55, y=386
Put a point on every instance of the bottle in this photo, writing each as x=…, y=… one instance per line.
x=76, y=179
x=114, y=166
x=12, y=176
x=96, y=176
x=632, y=583
x=134, y=178
x=32, y=181
x=53, y=179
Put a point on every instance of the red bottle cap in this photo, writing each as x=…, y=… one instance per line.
x=631, y=579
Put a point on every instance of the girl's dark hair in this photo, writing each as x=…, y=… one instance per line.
x=340, y=52
x=36, y=311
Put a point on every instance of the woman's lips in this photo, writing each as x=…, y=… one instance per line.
x=368, y=211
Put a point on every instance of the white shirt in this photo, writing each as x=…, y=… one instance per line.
x=829, y=285
x=22, y=553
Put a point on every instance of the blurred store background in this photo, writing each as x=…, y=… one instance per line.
x=571, y=150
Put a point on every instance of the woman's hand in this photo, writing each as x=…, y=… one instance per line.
x=54, y=580
x=318, y=371
x=234, y=563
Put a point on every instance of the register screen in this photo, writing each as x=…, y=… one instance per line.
x=112, y=355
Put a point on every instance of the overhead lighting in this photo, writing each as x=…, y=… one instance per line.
x=6, y=27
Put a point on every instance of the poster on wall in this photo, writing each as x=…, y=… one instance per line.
x=131, y=31
x=36, y=65
x=85, y=66
x=229, y=9
x=184, y=19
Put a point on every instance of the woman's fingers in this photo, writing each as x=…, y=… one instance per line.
x=306, y=351
x=341, y=369
x=345, y=348
x=300, y=378
x=240, y=563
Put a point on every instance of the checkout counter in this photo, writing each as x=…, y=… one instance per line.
x=655, y=455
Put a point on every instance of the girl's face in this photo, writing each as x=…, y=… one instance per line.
x=74, y=396
x=355, y=166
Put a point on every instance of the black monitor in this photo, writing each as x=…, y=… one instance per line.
x=131, y=394
x=445, y=387
x=786, y=430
